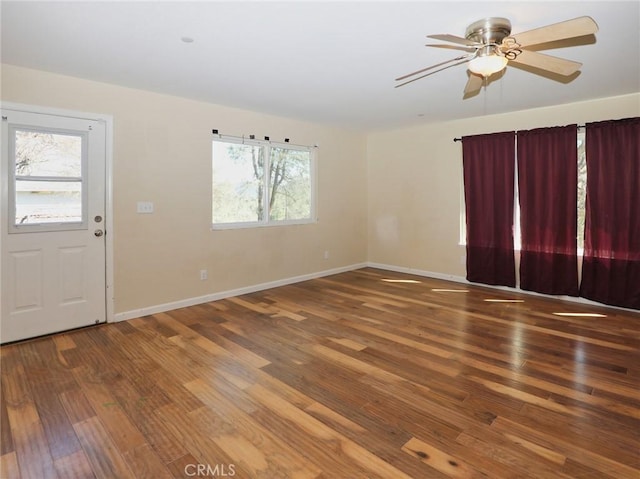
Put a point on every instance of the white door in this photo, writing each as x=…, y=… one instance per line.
x=53, y=224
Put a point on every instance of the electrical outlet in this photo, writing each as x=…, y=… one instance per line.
x=203, y=274
x=326, y=254
x=145, y=207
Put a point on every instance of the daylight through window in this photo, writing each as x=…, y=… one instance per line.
x=47, y=178
x=260, y=183
x=582, y=195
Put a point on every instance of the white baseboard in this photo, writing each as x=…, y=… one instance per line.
x=183, y=303
x=161, y=308
x=463, y=280
x=419, y=272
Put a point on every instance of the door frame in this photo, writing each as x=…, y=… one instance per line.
x=108, y=122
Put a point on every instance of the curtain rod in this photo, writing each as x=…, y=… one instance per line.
x=252, y=138
x=460, y=139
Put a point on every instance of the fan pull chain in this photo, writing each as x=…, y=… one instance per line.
x=485, y=82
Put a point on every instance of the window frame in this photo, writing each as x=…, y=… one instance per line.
x=266, y=146
x=13, y=178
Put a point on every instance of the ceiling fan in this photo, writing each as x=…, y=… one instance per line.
x=490, y=46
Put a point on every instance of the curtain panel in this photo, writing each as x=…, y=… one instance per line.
x=548, y=194
x=489, y=168
x=611, y=264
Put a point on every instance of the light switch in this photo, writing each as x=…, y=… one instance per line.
x=145, y=207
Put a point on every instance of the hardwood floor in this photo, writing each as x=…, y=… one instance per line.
x=366, y=374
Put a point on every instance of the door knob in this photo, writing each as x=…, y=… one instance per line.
x=98, y=233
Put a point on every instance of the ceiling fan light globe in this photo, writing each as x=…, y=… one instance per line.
x=487, y=65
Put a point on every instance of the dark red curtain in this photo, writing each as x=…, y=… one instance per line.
x=611, y=265
x=489, y=164
x=548, y=192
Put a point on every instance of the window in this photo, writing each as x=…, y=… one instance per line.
x=46, y=172
x=582, y=194
x=582, y=188
x=259, y=183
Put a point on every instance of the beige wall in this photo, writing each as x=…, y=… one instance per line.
x=414, y=182
x=390, y=198
x=162, y=153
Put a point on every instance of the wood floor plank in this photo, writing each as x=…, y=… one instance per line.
x=118, y=424
x=6, y=438
x=591, y=458
x=9, y=465
x=146, y=463
x=63, y=342
x=246, y=441
x=323, y=433
x=342, y=392
x=518, y=459
x=151, y=383
x=74, y=465
x=47, y=378
x=125, y=403
x=440, y=460
x=29, y=440
x=367, y=374
x=539, y=450
x=103, y=455
x=196, y=442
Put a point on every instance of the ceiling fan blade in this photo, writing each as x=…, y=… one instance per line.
x=431, y=67
x=474, y=83
x=445, y=37
x=549, y=63
x=466, y=59
x=453, y=47
x=558, y=31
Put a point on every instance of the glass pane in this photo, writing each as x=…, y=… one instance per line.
x=582, y=187
x=48, y=202
x=48, y=154
x=290, y=185
x=238, y=183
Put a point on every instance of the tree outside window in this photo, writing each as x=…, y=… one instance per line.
x=260, y=184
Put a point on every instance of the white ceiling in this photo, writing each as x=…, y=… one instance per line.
x=328, y=62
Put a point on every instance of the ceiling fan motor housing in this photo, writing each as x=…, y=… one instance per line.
x=489, y=30
x=490, y=46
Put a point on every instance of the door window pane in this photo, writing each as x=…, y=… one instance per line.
x=48, y=154
x=47, y=188
x=40, y=202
